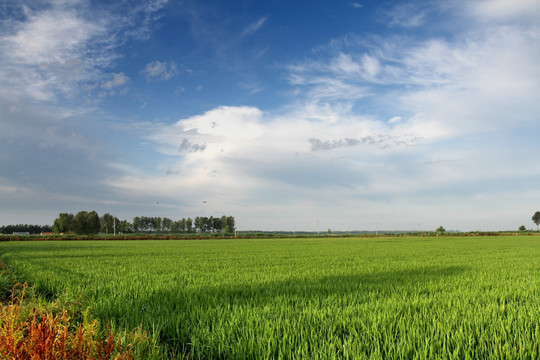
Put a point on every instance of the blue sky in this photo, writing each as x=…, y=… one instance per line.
x=287, y=115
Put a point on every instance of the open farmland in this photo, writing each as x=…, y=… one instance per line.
x=445, y=297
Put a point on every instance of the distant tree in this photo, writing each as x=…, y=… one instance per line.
x=46, y=228
x=107, y=223
x=136, y=223
x=536, y=219
x=81, y=222
x=166, y=224
x=156, y=224
x=216, y=224
x=231, y=224
x=209, y=224
x=200, y=224
x=440, y=230
x=87, y=223
x=145, y=223
x=123, y=227
x=31, y=229
x=93, y=223
x=182, y=225
x=65, y=223
x=522, y=228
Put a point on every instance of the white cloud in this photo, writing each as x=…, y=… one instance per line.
x=51, y=36
x=407, y=15
x=513, y=10
x=344, y=64
x=44, y=56
x=59, y=49
x=160, y=70
x=118, y=79
x=251, y=163
x=254, y=27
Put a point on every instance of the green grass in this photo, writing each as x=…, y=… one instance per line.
x=357, y=298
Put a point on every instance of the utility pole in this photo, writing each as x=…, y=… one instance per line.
x=114, y=224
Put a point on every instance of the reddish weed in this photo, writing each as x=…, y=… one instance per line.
x=38, y=334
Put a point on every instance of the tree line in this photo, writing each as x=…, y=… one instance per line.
x=88, y=223
x=24, y=228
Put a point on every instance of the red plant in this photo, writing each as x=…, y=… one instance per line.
x=38, y=334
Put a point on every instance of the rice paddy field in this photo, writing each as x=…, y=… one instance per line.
x=314, y=298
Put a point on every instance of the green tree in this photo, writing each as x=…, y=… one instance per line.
x=65, y=223
x=87, y=223
x=107, y=223
x=231, y=224
x=189, y=225
x=123, y=227
x=93, y=223
x=216, y=224
x=209, y=224
x=156, y=224
x=522, y=228
x=440, y=230
x=166, y=225
x=136, y=223
x=81, y=222
x=536, y=219
x=182, y=226
x=224, y=224
x=200, y=224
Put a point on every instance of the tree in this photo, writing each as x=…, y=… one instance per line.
x=123, y=227
x=87, y=223
x=94, y=224
x=209, y=224
x=65, y=223
x=166, y=225
x=224, y=225
x=231, y=224
x=182, y=225
x=200, y=224
x=136, y=223
x=32, y=229
x=107, y=223
x=440, y=230
x=536, y=219
x=156, y=223
x=216, y=224
x=522, y=228
x=81, y=222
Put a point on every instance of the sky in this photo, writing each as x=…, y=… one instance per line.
x=287, y=115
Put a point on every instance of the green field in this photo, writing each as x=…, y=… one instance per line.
x=376, y=298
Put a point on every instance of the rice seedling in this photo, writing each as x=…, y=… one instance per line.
x=346, y=298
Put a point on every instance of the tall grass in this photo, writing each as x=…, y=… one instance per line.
x=346, y=298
